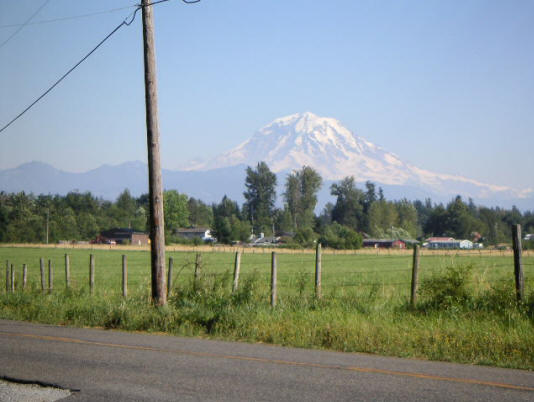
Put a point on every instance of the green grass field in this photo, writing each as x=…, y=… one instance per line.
x=365, y=304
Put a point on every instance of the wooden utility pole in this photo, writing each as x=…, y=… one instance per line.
x=155, y=187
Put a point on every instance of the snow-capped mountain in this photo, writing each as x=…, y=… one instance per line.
x=285, y=144
x=335, y=152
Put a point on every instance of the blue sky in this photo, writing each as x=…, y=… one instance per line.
x=446, y=85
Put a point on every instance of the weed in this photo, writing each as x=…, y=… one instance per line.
x=447, y=291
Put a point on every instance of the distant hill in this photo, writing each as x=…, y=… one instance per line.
x=210, y=185
x=285, y=144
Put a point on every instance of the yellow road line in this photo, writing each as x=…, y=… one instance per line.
x=272, y=361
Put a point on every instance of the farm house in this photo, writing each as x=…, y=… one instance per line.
x=122, y=236
x=384, y=243
x=448, y=243
x=195, y=233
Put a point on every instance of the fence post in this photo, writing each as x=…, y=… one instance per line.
x=8, y=285
x=237, y=267
x=67, y=271
x=43, y=279
x=169, y=277
x=92, y=273
x=12, y=279
x=518, y=263
x=318, y=271
x=273, y=279
x=415, y=272
x=24, y=276
x=124, y=276
x=198, y=267
x=50, y=276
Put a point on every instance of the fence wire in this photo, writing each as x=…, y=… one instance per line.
x=296, y=271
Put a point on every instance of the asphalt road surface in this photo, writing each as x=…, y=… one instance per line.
x=102, y=365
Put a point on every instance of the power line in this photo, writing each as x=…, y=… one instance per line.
x=127, y=22
x=72, y=17
x=123, y=23
x=21, y=27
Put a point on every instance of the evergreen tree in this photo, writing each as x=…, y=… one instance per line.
x=348, y=209
x=301, y=196
x=260, y=197
x=175, y=210
x=227, y=223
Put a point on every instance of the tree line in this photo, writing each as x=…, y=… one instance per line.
x=353, y=213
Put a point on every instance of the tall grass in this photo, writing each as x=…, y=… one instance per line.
x=466, y=313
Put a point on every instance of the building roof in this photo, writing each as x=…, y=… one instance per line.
x=381, y=240
x=192, y=230
x=439, y=239
x=120, y=233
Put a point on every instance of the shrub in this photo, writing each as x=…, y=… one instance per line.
x=341, y=237
x=443, y=291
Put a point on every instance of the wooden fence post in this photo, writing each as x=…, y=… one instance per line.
x=318, y=271
x=237, y=267
x=43, y=278
x=124, y=276
x=8, y=285
x=518, y=263
x=273, y=279
x=169, y=277
x=12, y=279
x=50, y=276
x=67, y=271
x=415, y=273
x=92, y=273
x=24, y=276
x=198, y=268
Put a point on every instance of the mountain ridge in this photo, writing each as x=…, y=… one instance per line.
x=290, y=142
x=285, y=144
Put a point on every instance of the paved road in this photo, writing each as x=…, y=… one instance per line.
x=118, y=366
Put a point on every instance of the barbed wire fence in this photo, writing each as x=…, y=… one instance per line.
x=389, y=271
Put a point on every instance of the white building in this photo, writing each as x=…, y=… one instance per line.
x=448, y=243
x=195, y=233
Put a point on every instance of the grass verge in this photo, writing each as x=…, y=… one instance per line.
x=452, y=321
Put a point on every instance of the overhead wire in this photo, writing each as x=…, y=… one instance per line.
x=21, y=27
x=123, y=23
x=72, y=17
x=126, y=22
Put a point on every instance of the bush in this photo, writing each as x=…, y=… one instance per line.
x=175, y=239
x=443, y=291
x=341, y=237
x=305, y=237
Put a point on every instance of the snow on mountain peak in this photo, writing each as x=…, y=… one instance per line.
x=307, y=139
x=290, y=142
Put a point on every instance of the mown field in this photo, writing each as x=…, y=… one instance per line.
x=466, y=311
